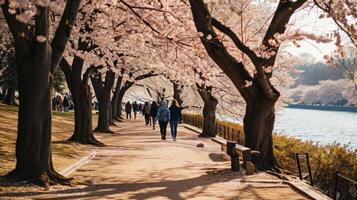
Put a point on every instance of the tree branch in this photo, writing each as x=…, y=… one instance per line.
x=63, y=31
x=239, y=44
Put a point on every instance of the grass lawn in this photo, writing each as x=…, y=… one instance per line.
x=64, y=153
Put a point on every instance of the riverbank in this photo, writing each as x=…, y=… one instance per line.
x=323, y=107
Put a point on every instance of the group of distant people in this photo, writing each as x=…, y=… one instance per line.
x=62, y=104
x=135, y=107
x=154, y=112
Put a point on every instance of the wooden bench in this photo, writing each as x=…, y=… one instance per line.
x=222, y=142
x=238, y=152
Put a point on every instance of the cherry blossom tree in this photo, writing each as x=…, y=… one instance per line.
x=36, y=58
x=343, y=13
x=258, y=92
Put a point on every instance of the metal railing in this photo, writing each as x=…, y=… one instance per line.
x=220, y=129
x=345, y=188
x=299, y=166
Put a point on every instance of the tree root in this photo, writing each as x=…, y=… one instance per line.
x=46, y=179
x=91, y=140
x=113, y=124
x=94, y=141
x=103, y=131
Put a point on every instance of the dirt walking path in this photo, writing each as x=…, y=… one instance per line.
x=136, y=164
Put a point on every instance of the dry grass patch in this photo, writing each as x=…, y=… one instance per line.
x=64, y=153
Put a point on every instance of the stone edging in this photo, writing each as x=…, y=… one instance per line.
x=192, y=128
x=70, y=169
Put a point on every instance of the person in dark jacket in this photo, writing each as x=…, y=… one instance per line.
x=146, y=113
x=128, y=108
x=66, y=104
x=135, y=109
x=153, y=112
x=163, y=116
x=175, y=115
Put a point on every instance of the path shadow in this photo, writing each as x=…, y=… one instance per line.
x=169, y=189
x=217, y=157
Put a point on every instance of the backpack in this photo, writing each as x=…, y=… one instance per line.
x=163, y=116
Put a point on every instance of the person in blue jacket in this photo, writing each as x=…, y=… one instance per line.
x=175, y=115
x=163, y=116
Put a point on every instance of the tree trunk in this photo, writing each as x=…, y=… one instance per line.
x=103, y=96
x=258, y=126
x=82, y=100
x=209, y=111
x=119, y=105
x=258, y=92
x=3, y=93
x=115, y=100
x=10, y=97
x=177, y=93
x=83, y=116
x=33, y=144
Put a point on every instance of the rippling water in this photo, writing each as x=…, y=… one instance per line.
x=320, y=126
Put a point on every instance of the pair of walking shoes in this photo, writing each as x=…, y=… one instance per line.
x=164, y=138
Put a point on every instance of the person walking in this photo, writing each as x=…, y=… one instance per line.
x=163, y=116
x=66, y=103
x=175, y=116
x=135, y=109
x=141, y=107
x=59, y=103
x=146, y=113
x=153, y=112
x=128, y=108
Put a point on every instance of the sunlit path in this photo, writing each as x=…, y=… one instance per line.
x=136, y=164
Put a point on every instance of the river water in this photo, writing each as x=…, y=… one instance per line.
x=324, y=127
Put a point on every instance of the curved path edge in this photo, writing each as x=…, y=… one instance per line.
x=73, y=167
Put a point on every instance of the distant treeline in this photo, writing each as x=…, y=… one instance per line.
x=316, y=72
x=323, y=84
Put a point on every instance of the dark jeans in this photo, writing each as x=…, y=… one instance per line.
x=163, y=126
x=147, y=120
x=173, y=126
x=153, y=122
x=128, y=115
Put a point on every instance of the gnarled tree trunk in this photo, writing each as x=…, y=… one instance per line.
x=258, y=126
x=177, y=93
x=33, y=59
x=115, y=100
x=103, y=92
x=82, y=100
x=260, y=96
x=209, y=111
x=119, y=104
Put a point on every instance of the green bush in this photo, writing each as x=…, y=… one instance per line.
x=324, y=159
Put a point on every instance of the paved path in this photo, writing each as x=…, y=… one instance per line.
x=136, y=164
